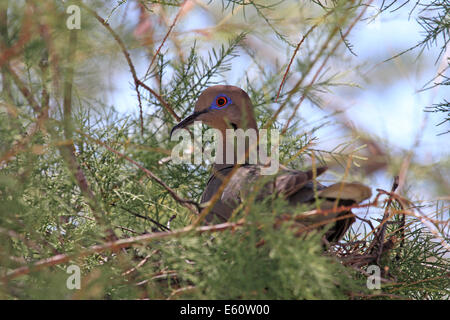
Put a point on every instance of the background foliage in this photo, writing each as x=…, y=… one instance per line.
x=78, y=172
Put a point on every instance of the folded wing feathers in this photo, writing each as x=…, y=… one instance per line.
x=290, y=183
x=346, y=191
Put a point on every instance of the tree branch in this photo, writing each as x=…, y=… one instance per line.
x=115, y=246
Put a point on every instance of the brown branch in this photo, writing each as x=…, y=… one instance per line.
x=24, y=36
x=293, y=56
x=160, y=99
x=115, y=246
x=127, y=57
x=39, y=123
x=324, y=62
x=140, y=264
x=23, y=89
x=300, y=81
x=137, y=82
x=166, y=36
x=181, y=291
x=408, y=284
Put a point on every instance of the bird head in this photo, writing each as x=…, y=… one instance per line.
x=222, y=107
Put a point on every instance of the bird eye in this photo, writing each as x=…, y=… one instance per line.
x=221, y=101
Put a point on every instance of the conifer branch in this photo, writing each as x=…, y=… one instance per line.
x=115, y=246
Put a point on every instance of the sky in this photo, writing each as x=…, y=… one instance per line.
x=390, y=110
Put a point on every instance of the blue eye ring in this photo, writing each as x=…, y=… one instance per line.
x=220, y=102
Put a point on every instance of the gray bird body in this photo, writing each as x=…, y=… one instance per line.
x=226, y=107
x=296, y=186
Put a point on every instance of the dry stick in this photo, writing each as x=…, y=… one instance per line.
x=137, y=82
x=24, y=36
x=43, y=115
x=115, y=246
x=295, y=53
x=127, y=57
x=181, y=291
x=23, y=89
x=308, y=87
x=161, y=100
x=421, y=217
x=382, y=231
x=297, y=154
x=166, y=36
x=185, y=202
x=407, y=284
x=328, y=211
x=376, y=295
x=140, y=264
x=300, y=81
x=405, y=212
x=319, y=54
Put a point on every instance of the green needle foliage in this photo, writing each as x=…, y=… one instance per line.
x=84, y=184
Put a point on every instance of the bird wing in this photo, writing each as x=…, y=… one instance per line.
x=291, y=181
x=240, y=185
x=297, y=187
x=354, y=191
x=347, y=194
x=286, y=183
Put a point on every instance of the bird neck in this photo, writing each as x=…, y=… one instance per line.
x=237, y=147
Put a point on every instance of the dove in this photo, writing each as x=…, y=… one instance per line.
x=229, y=107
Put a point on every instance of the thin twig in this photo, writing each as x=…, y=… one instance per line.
x=166, y=36
x=161, y=226
x=292, y=58
x=24, y=36
x=190, y=204
x=181, y=291
x=137, y=82
x=324, y=62
x=23, y=89
x=115, y=246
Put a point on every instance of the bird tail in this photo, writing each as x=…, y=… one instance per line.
x=350, y=191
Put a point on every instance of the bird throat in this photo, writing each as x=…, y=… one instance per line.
x=237, y=146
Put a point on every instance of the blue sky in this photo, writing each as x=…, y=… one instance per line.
x=392, y=111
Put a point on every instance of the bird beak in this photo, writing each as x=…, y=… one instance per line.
x=187, y=121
